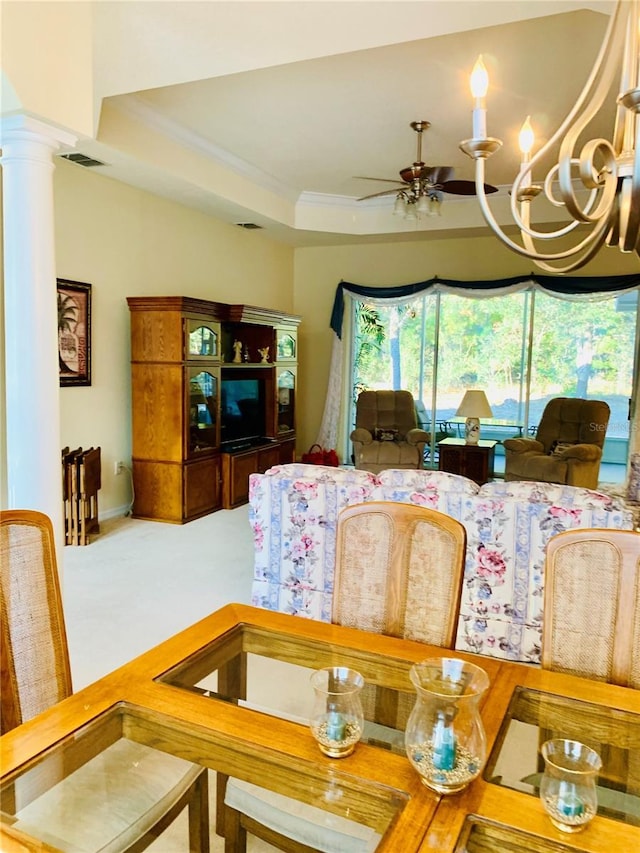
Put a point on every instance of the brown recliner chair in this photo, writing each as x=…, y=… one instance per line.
x=386, y=433
x=567, y=447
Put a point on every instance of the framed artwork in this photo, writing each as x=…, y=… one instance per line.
x=74, y=332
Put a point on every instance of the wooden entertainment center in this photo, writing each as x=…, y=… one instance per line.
x=213, y=401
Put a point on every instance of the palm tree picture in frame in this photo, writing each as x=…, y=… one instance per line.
x=74, y=332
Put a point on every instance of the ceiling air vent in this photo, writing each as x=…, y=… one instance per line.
x=250, y=226
x=82, y=160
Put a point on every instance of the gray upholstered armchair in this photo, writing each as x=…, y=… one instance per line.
x=567, y=447
x=386, y=433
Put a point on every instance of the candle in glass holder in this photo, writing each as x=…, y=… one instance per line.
x=336, y=725
x=444, y=744
x=569, y=803
x=568, y=785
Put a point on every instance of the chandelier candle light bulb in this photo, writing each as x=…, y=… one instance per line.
x=479, y=88
x=526, y=139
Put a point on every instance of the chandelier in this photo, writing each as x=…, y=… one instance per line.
x=608, y=171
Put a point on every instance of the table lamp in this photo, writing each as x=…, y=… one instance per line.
x=474, y=406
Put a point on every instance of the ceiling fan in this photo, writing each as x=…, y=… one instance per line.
x=422, y=187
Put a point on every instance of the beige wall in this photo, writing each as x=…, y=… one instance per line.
x=318, y=271
x=47, y=72
x=126, y=242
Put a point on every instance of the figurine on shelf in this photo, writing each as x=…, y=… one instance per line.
x=246, y=354
x=264, y=355
x=237, y=352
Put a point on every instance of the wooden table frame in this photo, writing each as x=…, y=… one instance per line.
x=283, y=755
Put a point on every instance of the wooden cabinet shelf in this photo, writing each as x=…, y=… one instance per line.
x=192, y=399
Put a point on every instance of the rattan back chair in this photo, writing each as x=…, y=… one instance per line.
x=591, y=622
x=399, y=571
x=36, y=674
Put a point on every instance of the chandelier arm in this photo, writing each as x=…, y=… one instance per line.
x=591, y=242
x=609, y=171
x=597, y=92
x=596, y=88
x=495, y=227
x=629, y=206
x=589, y=102
x=625, y=132
x=579, y=262
x=590, y=245
x=603, y=179
x=600, y=78
x=548, y=191
x=523, y=222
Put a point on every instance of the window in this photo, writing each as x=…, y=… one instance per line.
x=522, y=349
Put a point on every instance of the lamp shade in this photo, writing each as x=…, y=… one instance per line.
x=474, y=405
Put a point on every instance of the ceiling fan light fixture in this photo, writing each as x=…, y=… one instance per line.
x=411, y=213
x=435, y=205
x=423, y=187
x=400, y=205
x=423, y=205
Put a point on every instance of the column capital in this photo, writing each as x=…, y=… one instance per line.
x=22, y=127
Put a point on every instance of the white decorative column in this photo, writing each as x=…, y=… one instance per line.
x=32, y=404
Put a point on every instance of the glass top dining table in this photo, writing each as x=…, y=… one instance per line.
x=233, y=693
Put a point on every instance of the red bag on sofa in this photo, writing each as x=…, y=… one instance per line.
x=317, y=455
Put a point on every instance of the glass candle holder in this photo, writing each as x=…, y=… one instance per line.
x=337, y=720
x=444, y=738
x=568, y=785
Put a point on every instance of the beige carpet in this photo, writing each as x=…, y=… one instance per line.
x=139, y=582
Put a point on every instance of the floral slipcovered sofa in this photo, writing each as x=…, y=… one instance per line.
x=293, y=511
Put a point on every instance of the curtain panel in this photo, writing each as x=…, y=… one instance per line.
x=597, y=286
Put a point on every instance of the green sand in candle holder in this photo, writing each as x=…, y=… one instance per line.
x=465, y=768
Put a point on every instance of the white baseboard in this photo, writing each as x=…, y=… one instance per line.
x=115, y=512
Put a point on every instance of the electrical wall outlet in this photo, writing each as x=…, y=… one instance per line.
x=118, y=468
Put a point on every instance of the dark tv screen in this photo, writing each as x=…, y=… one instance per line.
x=242, y=409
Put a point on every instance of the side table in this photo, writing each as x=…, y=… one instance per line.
x=471, y=460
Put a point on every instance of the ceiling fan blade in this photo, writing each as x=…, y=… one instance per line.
x=437, y=174
x=384, y=192
x=385, y=180
x=465, y=188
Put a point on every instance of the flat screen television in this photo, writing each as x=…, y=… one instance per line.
x=242, y=419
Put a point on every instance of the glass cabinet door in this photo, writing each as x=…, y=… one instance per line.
x=203, y=340
x=286, y=345
x=286, y=390
x=202, y=401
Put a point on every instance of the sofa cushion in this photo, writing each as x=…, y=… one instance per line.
x=320, y=473
x=502, y=598
x=293, y=515
x=424, y=481
x=568, y=496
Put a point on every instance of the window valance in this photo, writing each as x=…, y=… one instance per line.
x=573, y=286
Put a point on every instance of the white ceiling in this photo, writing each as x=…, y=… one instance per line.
x=265, y=111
